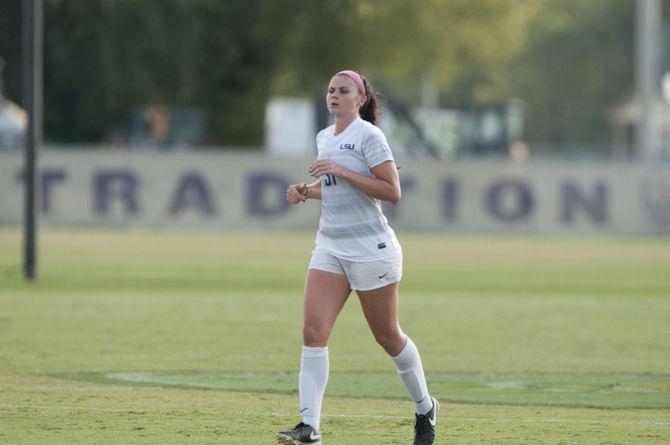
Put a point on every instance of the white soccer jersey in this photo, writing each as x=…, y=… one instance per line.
x=352, y=225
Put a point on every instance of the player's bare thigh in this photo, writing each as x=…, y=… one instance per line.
x=380, y=307
x=325, y=295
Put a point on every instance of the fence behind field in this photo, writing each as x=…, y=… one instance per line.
x=223, y=190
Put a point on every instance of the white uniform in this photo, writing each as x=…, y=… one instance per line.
x=352, y=227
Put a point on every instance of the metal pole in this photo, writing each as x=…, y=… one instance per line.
x=32, y=97
x=647, y=77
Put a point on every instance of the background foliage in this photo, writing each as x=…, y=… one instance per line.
x=570, y=61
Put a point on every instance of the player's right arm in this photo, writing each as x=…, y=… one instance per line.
x=297, y=193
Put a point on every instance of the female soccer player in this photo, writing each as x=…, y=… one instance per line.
x=355, y=249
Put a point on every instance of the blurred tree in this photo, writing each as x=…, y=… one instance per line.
x=569, y=60
x=237, y=48
x=105, y=58
x=10, y=47
x=578, y=65
x=399, y=43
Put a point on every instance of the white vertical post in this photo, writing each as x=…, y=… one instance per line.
x=647, y=78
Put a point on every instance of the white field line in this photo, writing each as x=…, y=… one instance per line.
x=84, y=388
x=7, y=407
x=466, y=419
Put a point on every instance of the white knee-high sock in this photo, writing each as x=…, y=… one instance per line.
x=410, y=369
x=313, y=380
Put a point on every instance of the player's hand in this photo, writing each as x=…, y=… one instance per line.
x=296, y=193
x=326, y=167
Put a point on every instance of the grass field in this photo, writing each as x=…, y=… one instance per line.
x=184, y=337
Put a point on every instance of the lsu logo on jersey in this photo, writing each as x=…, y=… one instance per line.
x=347, y=146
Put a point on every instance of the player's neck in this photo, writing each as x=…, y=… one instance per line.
x=341, y=123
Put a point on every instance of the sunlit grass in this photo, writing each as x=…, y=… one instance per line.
x=543, y=319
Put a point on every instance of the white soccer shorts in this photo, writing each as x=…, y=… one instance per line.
x=362, y=275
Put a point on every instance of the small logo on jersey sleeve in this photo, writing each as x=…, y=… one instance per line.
x=347, y=146
x=381, y=246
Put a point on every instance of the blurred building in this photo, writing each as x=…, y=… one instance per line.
x=13, y=119
x=13, y=123
x=290, y=127
x=492, y=129
x=625, y=119
x=157, y=126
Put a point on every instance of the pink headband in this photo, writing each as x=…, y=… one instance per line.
x=358, y=80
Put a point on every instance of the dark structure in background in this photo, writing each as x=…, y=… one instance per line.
x=32, y=94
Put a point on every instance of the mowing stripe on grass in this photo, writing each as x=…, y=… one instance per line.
x=612, y=391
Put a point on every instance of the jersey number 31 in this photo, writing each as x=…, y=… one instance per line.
x=330, y=180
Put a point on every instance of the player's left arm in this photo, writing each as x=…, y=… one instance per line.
x=384, y=183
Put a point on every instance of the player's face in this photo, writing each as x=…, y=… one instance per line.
x=343, y=98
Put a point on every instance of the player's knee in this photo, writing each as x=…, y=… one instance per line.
x=392, y=342
x=314, y=335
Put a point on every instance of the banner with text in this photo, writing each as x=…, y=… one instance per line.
x=211, y=190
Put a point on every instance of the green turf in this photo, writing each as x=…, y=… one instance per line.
x=641, y=391
x=182, y=337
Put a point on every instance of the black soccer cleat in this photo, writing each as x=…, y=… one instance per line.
x=424, y=428
x=301, y=434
